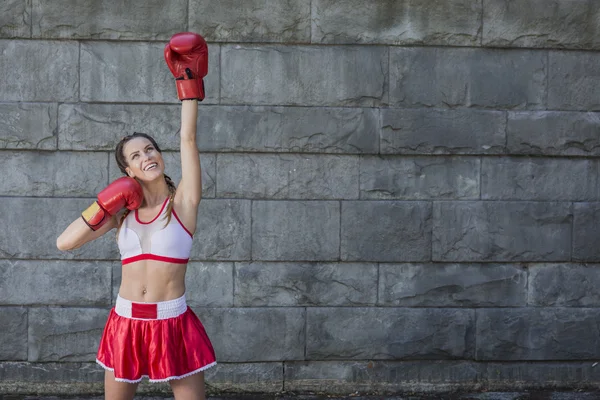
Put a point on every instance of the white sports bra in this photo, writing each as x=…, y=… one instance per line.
x=153, y=240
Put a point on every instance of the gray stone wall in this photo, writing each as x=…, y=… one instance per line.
x=399, y=195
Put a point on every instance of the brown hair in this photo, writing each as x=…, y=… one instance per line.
x=122, y=164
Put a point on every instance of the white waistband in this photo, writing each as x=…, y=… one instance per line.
x=164, y=309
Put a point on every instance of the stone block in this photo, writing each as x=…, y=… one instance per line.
x=289, y=129
x=535, y=178
x=28, y=126
x=57, y=373
x=541, y=23
x=246, y=377
x=13, y=335
x=105, y=19
x=263, y=21
x=404, y=22
x=586, y=230
x=287, y=176
x=305, y=284
x=56, y=81
x=386, y=231
x=270, y=334
x=574, y=80
x=173, y=170
x=537, y=334
x=419, y=178
x=15, y=19
x=542, y=375
x=389, y=333
x=223, y=230
x=427, y=76
x=65, y=334
x=501, y=231
x=136, y=72
x=452, y=285
x=209, y=284
x=28, y=282
x=295, y=230
x=67, y=174
x=101, y=126
x=390, y=377
x=440, y=131
x=312, y=76
x=553, y=133
x=36, y=223
x=564, y=285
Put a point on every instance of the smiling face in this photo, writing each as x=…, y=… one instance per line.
x=144, y=161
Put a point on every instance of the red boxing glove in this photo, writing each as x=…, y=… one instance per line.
x=187, y=57
x=124, y=192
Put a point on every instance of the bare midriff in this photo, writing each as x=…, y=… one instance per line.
x=152, y=281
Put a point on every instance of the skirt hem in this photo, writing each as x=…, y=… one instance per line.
x=169, y=378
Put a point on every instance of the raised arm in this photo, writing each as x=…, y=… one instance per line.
x=190, y=187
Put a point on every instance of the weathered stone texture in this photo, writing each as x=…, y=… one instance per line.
x=289, y=129
x=551, y=374
x=287, y=176
x=564, y=285
x=102, y=126
x=61, y=174
x=25, y=238
x=135, y=72
x=295, y=230
x=429, y=77
x=251, y=20
x=404, y=22
x=209, y=284
x=452, y=285
x=13, y=335
x=252, y=377
x=439, y=131
x=586, y=231
x=345, y=377
x=172, y=161
x=386, y=231
x=15, y=19
x=418, y=178
x=273, y=334
x=501, y=231
x=554, y=133
x=537, y=334
x=305, y=284
x=574, y=80
x=548, y=179
x=65, y=334
x=28, y=126
x=541, y=23
x=386, y=333
x=223, y=230
x=317, y=76
x=105, y=19
x=56, y=81
x=50, y=372
x=26, y=282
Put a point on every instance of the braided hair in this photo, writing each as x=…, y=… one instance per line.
x=122, y=164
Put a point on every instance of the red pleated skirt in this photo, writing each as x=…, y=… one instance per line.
x=140, y=342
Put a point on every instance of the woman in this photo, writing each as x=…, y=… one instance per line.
x=151, y=331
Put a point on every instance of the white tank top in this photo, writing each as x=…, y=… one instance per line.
x=153, y=240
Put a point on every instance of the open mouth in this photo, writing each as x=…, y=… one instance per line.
x=151, y=166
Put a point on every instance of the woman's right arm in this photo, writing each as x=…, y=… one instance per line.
x=79, y=233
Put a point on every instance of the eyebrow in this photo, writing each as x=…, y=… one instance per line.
x=137, y=151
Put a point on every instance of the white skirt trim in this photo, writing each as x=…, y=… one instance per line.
x=157, y=380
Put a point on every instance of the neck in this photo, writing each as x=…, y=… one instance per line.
x=155, y=192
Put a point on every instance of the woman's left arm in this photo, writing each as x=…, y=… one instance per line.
x=189, y=191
